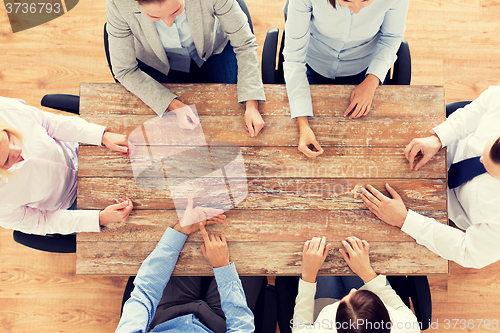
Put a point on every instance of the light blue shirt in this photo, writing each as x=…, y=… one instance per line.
x=154, y=275
x=337, y=42
x=178, y=43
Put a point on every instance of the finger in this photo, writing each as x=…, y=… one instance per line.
x=317, y=146
x=354, y=244
x=327, y=249
x=392, y=192
x=366, y=194
x=413, y=154
x=345, y=256
x=366, y=245
x=376, y=193
x=211, y=212
x=408, y=149
x=204, y=233
x=223, y=238
x=308, y=152
x=119, y=206
x=306, y=246
x=370, y=205
x=348, y=247
x=203, y=250
x=421, y=163
x=250, y=127
x=212, y=237
x=367, y=110
x=357, y=111
x=258, y=127
x=192, y=116
x=350, y=107
x=322, y=244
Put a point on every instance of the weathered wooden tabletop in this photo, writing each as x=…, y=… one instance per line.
x=290, y=198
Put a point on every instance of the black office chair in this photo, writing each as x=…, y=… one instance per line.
x=415, y=288
x=399, y=74
x=242, y=4
x=265, y=315
x=452, y=107
x=53, y=242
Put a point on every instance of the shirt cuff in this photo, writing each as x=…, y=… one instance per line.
x=301, y=107
x=93, y=134
x=174, y=239
x=445, y=133
x=307, y=287
x=378, y=69
x=89, y=221
x=226, y=274
x=412, y=225
x=378, y=282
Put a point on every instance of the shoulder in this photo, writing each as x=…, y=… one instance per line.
x=123, y=6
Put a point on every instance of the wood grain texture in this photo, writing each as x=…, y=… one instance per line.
x=264, y=226
x=57, y=56
x=272, y=162
x=256, y=258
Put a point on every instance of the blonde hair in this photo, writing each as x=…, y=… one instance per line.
x=4, y=127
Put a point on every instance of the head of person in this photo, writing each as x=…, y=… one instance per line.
x=10, y=149
x=165, y=10
x=491, y=157
x=362, y=311
x=354, y=5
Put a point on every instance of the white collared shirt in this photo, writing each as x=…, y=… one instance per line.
x=475, y=205
x=178, y=43
x=35, y=201
x=337, y=42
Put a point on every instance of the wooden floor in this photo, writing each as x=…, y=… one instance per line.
x=454, y=43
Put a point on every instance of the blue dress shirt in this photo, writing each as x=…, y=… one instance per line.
x=337, y=42
x=154, y=275
x=178, y=43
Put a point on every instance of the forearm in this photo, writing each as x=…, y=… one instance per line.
x=304, y=306
x=150, y=282
x=239, y=318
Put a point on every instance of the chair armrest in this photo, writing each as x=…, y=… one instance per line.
x=49, y=243
x=269, y=56
x=62, y=102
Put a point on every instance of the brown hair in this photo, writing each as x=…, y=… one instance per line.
x=332, y=2
x=495, y=151
x=364, y=312
x=4, y=127
x=141, y=2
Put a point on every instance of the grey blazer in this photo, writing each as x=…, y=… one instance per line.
x=132, y=35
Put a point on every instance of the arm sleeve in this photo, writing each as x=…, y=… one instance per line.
x=239, y=317
x=33, y=221
x=391, y=35
x=297, y=36
x=150, y=282
x=379, y=286
x=235, y=24
x=475, y=248
x=65, y=128
x=303, y=313
x=125, y=66
x=466, y=120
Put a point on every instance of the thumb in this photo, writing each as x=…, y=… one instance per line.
x=392, y=192
x=317, y=146
x=345, y=256
x=189, y=206
x=422, y=162
x=119, y=206
x=327, y=248
x=250, y=127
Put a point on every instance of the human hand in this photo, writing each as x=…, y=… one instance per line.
x=362, y=97
x=114, y=214
x=313, y=257
x=425, y=148
x=390, y=210
x=357, y=257
x=186, y=117
x=253, y=119
x=215, y=248
x=118, y=143
x=188, y=223
x=307, y=141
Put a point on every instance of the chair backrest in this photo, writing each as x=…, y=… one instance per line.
x=244, y=8
x=454, y=106
x=47, y=243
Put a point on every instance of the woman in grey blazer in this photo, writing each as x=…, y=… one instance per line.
x=184, y=41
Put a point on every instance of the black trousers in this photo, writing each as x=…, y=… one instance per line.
x=199, y=296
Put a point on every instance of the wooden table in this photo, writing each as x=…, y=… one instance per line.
x=290, y=198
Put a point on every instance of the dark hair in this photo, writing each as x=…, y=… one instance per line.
x=332, y=2
x=495, y=151
x=364, y=312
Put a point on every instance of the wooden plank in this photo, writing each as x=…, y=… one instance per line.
x=256, y=258
x=220, y=100
x=264, y=226
x=278, y=162
x=390, y=131
x=267, y=194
